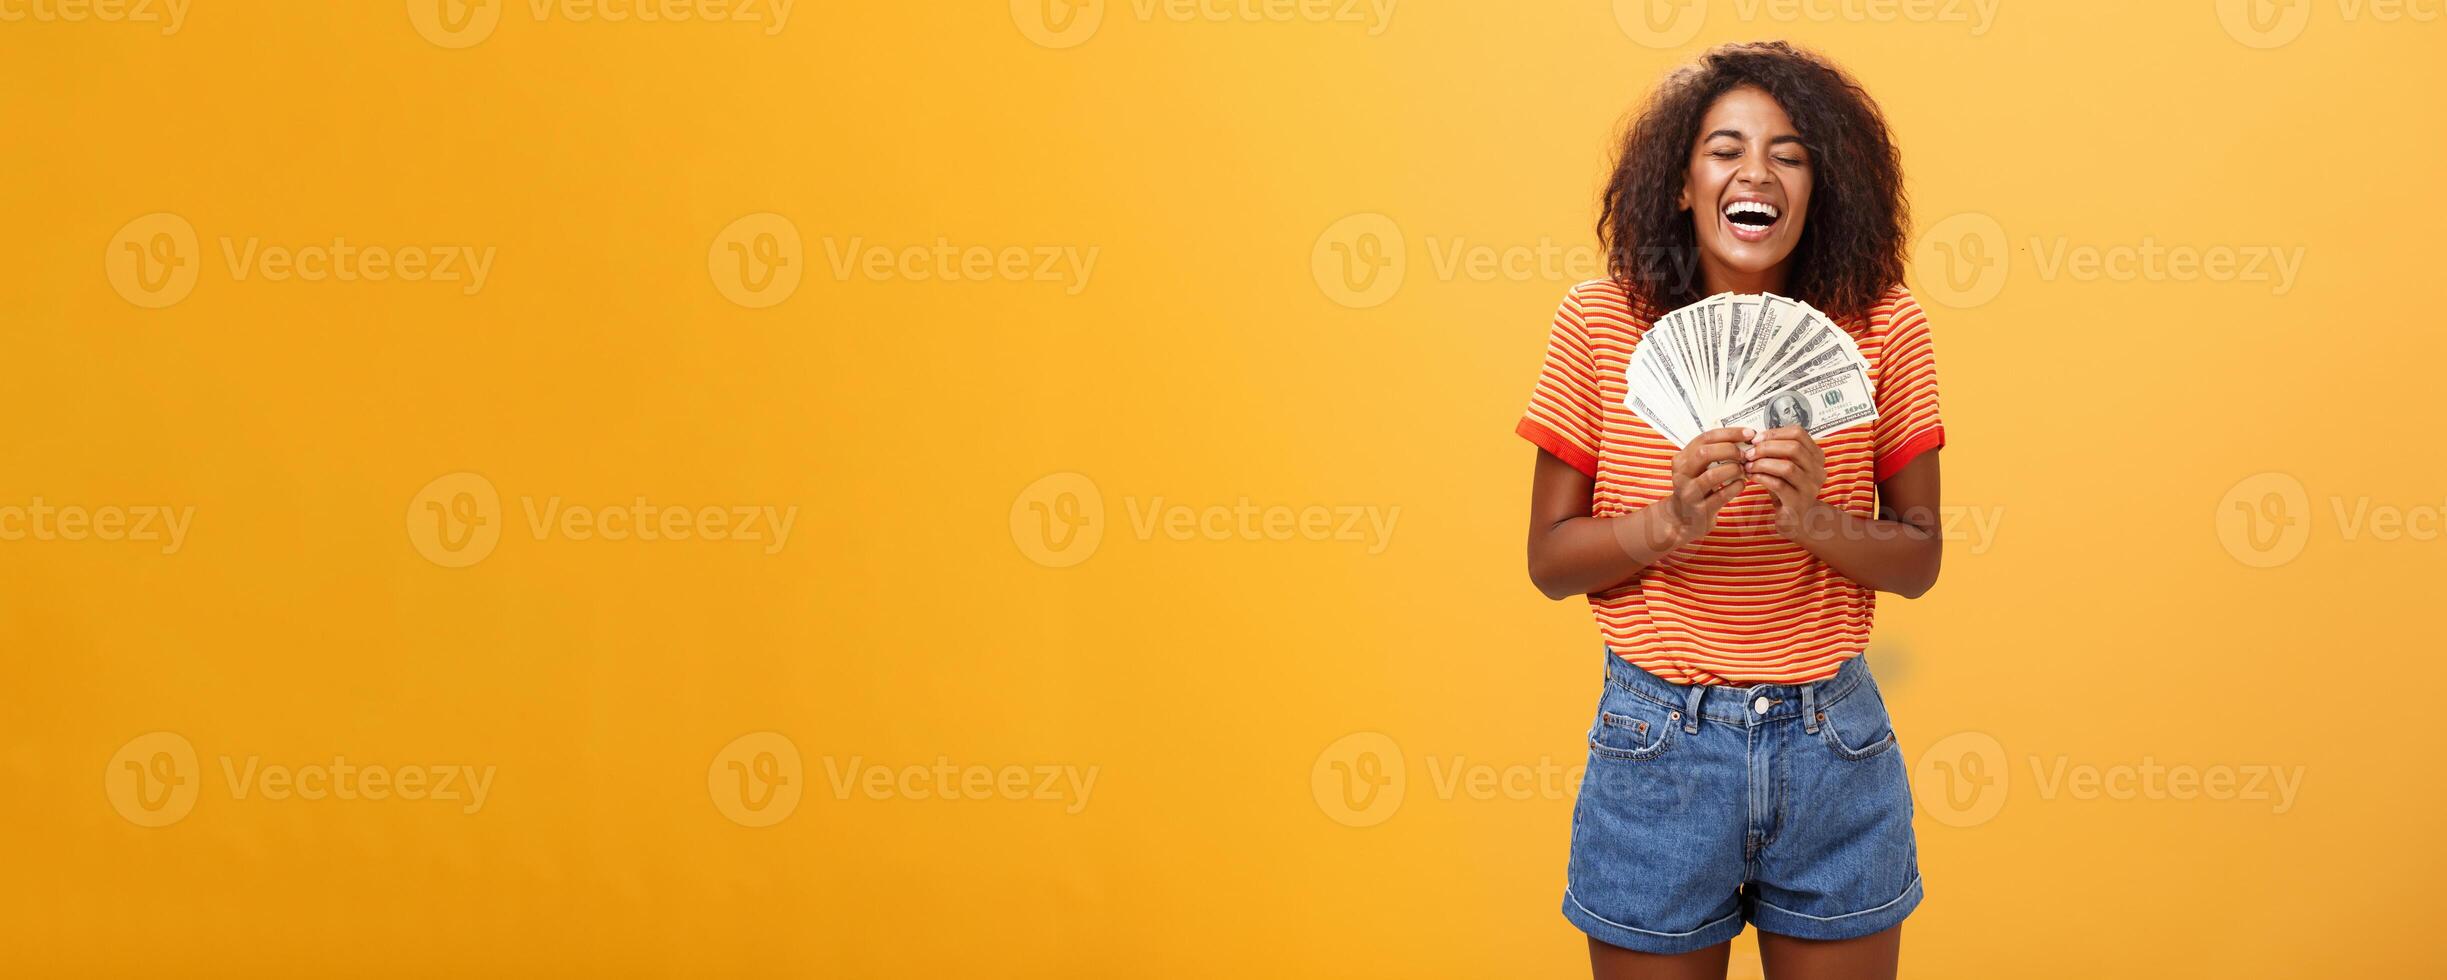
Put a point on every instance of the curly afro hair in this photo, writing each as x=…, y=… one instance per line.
x=1852, y=241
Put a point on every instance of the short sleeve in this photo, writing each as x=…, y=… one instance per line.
x=1564, y=410
x=1908, y=424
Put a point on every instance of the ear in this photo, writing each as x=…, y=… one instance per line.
x=1683, y=200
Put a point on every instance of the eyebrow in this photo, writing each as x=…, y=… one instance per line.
x=1737, y=134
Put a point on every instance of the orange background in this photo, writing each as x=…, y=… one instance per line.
x=2166, y=463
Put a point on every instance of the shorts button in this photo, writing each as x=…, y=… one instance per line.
x=1760, y=705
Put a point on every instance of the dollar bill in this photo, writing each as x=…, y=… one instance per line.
x=1821, y=405
x=1756, y=360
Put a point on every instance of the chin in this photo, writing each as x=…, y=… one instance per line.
x=1751, y=261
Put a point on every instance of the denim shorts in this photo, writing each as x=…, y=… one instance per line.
x=1707, y=806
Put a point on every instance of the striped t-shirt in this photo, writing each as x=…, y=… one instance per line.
x=1741, y=605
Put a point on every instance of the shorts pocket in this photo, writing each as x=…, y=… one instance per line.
x=1857, y=727
x=1631, y=728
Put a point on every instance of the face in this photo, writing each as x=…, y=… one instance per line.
x=1748, y=189
x=1785, y=410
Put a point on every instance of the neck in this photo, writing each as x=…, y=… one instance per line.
x=1719, y=279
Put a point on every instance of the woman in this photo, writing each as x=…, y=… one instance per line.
x=1742, y=767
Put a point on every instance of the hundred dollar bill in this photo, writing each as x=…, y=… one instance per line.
x=1774, y=322
x=1826, y=360
x=1741, y=313
x=1804, y=355
x=1822, y=405
x=1705, y=337
x=1677, y=366
x=1806, y=335
x=1654, y=399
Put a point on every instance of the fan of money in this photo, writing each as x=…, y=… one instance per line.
x=1760, y=361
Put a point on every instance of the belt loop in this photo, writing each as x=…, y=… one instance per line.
x=1690, y=709
x=1809, y=708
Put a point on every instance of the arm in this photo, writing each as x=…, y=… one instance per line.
x=1572, y=553
x=1898, y=551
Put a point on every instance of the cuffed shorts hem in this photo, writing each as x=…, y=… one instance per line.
x=1631, y=937
x=1850, y=925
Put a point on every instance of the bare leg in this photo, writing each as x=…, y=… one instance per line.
x=1870, y=957
x=1616, y=963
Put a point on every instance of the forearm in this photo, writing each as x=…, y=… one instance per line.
x=1583, y=554
x=1890, y=555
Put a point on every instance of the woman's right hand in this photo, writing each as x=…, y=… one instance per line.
x=1707, y=473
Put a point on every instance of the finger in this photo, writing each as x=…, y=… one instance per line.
x=1784, y=470
x=1784, y=493
x=1778, y=448
x=1716, y=498
x=1727, y=434
x=1793, y=432
x=1696, y=491
x=1693, y=461
x=1794, y=469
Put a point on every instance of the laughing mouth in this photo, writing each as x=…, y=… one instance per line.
x=1752, y=215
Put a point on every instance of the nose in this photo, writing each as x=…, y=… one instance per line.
x=1753, y=169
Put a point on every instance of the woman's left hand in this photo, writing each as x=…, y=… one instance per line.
x=1792, y=467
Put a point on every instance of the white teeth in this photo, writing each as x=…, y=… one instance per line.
x=1757, y=207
